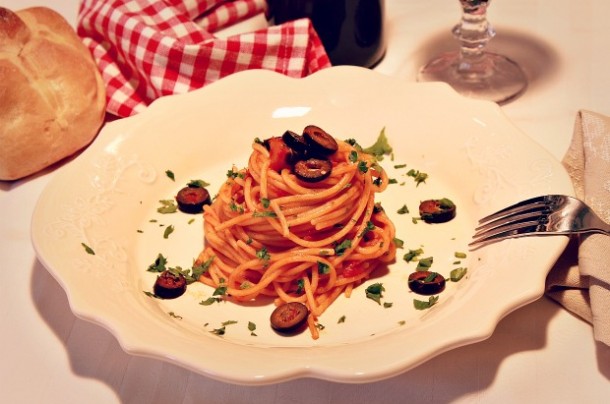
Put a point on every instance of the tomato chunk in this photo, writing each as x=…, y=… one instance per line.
x=279, y=153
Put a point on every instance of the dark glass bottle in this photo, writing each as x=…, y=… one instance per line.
x=352, y=31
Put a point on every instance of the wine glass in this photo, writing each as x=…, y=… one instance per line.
x=473, y=71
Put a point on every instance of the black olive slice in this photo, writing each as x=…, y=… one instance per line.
x=289, y=317
x=319, y=142
x=295, y=141
x=312, y=170
x=426, y=283
x=169, y=285
x=192, y=199
x=437, y=210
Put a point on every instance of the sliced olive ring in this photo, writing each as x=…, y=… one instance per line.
x=169, y=285
x=289, y=317
x=319, y=142
x=437, y=210
x=312, y=170
x=295, y=141
x=426, y=283
x=192, y=199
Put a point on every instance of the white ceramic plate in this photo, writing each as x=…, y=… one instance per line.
x=107, y=199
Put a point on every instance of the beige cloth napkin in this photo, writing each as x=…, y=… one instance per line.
x=580, y=281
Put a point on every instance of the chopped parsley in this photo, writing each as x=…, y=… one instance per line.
x=342, y=247
x=457, y=274
x=170, y=175
x=381, y=146
x=341, y=320
x=412, y=254
x=400, y=166
x=398, y=242
x=424, y=264
x=423, y=304
x=267, y=213
x=353, y=156
x=222, y=330
x=375, y=292
x=167, y=206
x=362, y=167
x=370, y=226
x=263, y=254
x=459, y=255
x=168, y=230
x=159, y=265
x=197, y=184
x=323, y=268
x=403, y=210
x=88, y=249
x=418, y=176
x=252, y=328
x=265, y=202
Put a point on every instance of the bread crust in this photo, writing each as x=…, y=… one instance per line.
x=52, y=97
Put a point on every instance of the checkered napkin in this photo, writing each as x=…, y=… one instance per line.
x=146, y=49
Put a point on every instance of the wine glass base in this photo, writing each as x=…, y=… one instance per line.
x=494, y=77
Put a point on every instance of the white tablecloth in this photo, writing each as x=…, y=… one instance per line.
x=539, y=353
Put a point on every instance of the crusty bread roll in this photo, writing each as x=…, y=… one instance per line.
x=52, y=97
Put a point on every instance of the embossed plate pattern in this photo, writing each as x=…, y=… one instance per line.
x=107, y=200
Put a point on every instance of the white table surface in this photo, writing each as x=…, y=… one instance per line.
x=539, y=353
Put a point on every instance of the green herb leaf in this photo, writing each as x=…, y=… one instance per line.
x=381, y=146
x=424, y=264
x=159, y=265
x=210, y=300
x=88, y=249
x=167, y=206
x=341, y=320
x=418, y=176
x=263, y=254
x=403, y=210
x=353, y=156
x=398, y=242
x=375, y=292
x=220, y=291
x=457, y=274
x=252, y=328
x=300, y=286
x=168, y=230
x=459, y=255
x=387, y=305
x=342, y=247
x=412, y=254
x=323, y=268
x=265, y=202
x=170, y=175
x=423, y=305
x=400, y=166
x=370, y=226
x=267, y=213
x=197, y=184
x=362, y=167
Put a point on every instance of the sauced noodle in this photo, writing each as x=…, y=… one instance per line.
x=267, y=233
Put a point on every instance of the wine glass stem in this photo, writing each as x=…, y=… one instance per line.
x=473, y=32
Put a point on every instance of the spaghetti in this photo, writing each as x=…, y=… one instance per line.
x=268, y=233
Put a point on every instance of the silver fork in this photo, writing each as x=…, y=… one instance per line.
x=542, y=215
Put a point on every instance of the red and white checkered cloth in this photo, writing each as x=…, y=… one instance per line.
x=146, y=49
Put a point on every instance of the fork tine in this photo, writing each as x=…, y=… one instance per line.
x=499, y=233
x=537, y=202
x=504, y=220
